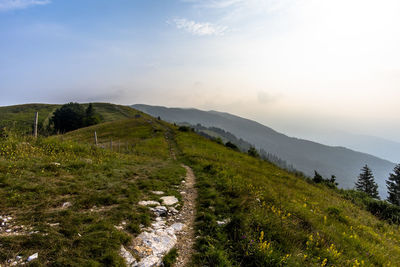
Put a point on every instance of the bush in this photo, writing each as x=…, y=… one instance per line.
x=380, y=208
x=232, y=146
x=384, y=210
x=184, y=129
x=253, y=152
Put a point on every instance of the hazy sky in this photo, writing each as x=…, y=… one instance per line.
x=299, y=66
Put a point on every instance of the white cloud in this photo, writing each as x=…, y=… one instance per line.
x=199, y=28
x=6, y=5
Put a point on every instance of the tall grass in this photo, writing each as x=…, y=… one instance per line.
x=251, y=213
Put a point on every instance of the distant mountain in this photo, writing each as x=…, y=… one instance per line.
x=380, y=147
x=303, y=155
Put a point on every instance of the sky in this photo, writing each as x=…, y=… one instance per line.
x=303, y=67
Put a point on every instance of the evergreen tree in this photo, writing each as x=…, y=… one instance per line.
x=393, y=186
x=92, y=118
x=333, y=181
x=366, y=182
x=317, y=177
x=69, y=117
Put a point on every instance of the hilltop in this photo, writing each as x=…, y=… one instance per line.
x=305, y=156
x=77, y=204
x=21, y=117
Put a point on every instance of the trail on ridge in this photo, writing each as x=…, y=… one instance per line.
x=186, y=236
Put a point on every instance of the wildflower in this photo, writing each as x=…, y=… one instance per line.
x=324, y=262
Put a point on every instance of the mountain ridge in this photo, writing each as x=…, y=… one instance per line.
x=304, y=155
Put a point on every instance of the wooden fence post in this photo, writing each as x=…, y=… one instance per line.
x=35, y=126
x=95, y=138
x=111, y=144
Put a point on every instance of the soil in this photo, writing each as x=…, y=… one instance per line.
x=187, y=215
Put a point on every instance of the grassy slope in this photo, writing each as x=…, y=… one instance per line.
x=274, y=217
x=20, y=117
x=103, y=187
x=277, y=218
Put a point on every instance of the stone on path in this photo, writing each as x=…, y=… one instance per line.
x=169, y=200
x=129, y=259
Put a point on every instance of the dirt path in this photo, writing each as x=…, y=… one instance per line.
x=186, y=236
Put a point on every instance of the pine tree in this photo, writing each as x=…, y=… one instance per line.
x=92, y=118
x=393, y=186
x=366, y=182
x=317, y=177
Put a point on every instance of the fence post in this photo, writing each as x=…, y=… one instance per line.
x=95, y=138
x=35, y=125
x=111, y=148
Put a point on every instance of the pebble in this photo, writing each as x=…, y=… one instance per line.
x=148, y=203
x=66, y=205
x=158, y=192
x=223, y=222
x=32, y=257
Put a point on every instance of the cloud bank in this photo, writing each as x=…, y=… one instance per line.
x=198, y=28
x=6, y=5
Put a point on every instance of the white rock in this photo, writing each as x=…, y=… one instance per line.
x=129, y=259
x=169, y=200
x=173, y=210
x=150, y=261
x=225, y=221
x=32, y=257
x=160, y=210
x=158, y=192
x=66, y=205
x=160, y=242
x=148, y=203
x=177, y=226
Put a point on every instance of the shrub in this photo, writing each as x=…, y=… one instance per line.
x=232, y=146
x=253, y=152
x=184, y=129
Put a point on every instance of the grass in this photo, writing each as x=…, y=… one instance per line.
x=38, y=176
x=276, y=219
x=249, y=212
x=170, y=258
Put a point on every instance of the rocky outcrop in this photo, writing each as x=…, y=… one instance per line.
x=150, y=246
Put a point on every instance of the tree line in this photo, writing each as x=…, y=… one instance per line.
x=366, y=183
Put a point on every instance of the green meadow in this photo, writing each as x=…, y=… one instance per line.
x=69, y=195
